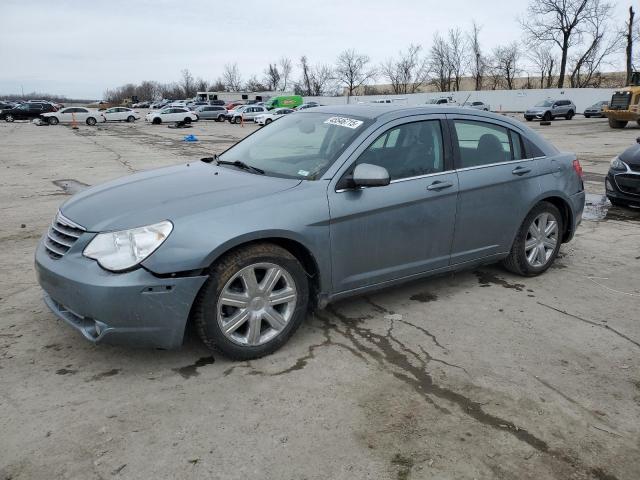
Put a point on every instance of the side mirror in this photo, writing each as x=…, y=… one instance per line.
x=368, y=175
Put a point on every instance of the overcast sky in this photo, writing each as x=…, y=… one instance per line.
x=79, y=48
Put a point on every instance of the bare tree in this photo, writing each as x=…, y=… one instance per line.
x=272, y=77
x=477, y=61
x=629, y=36
x=408, y=72
x=305, y=81
x=599, y=46
x=255, y=85
x=440, y=64
x=232, y=78
x=457, y=55
x=544, y=62
x=315, y=81
x=218, y=85
x=187, y=83
x=505, y=63
x=561, y=22
x=352, y=71
x=201, y=85
x=285, y=72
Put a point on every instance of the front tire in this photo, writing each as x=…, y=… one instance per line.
x=254, y=300
x=53, y=121
x=618, y=203
x=131, y=119
x=537, y=242
x=546, y=117
x=586, y=115
x=268, y=121
x=617, y=123
x=156, y=121
x=187, y=120
x=91, y=121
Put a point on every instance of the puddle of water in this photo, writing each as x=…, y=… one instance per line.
x=597, y=208
x=70, y=186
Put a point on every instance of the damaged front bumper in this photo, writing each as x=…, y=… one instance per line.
x=135, y=308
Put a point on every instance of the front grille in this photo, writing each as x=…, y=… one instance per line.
x=61, y=236
x=620, y=101
x=628, y=183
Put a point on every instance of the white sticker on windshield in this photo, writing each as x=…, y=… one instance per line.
x=344, y=122
x=304, y=173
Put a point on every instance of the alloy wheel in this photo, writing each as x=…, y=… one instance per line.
x=542, y=239
x=256, y=304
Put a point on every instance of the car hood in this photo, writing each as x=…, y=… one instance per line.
x=631, y=156
x=167, y=193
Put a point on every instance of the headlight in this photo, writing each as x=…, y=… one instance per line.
x=117, y=251
x=619, y=165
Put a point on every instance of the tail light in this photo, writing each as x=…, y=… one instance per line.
x=578, y=168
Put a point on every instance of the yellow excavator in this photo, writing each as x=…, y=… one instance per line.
x=624, y=105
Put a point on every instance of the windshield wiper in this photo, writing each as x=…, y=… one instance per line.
x=242, y=165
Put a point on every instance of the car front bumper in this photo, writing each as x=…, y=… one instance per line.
x=623, y=186
x=135, y=308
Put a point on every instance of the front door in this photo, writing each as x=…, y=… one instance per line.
x=379, y=234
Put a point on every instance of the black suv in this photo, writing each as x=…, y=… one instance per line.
x=26, y=111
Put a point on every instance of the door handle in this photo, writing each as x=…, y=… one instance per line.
x=520, y=170
x=438, y=185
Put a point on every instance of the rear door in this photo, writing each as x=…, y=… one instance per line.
x=496, y=186
x=380, y=234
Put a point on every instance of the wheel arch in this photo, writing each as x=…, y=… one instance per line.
x=303, y=253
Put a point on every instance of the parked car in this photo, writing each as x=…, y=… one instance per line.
x=212, y=112
x=444, y=101
x=304, y=106
x=141, y=105
x=550, y=109
x=233, y=105
x=121, y=114
x=267, y=118
x=74, y=114
x=284, y=101
x=623, y=179
x=160, y=104
x=220, y=103
x=171, y=114
x=477, y=105
x=323, y=204
x=596, y=110
x=194, y=105
x=26, y=111
x=245, y=113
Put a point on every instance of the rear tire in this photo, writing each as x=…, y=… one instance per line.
x=53, y=121
x=617, y=123
x=91, y=121
x=268, y=121
x=9, y=118
x=211, y=312
x=527, y=245
x=528, y=119
x=220, y=118
x=569, y=115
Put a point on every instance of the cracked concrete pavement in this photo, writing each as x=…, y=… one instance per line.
x=476, y=375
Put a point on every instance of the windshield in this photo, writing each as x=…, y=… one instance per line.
x=300, y=145
x=545, y=103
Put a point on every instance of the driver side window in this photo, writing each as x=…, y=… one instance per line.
x=408, y=150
